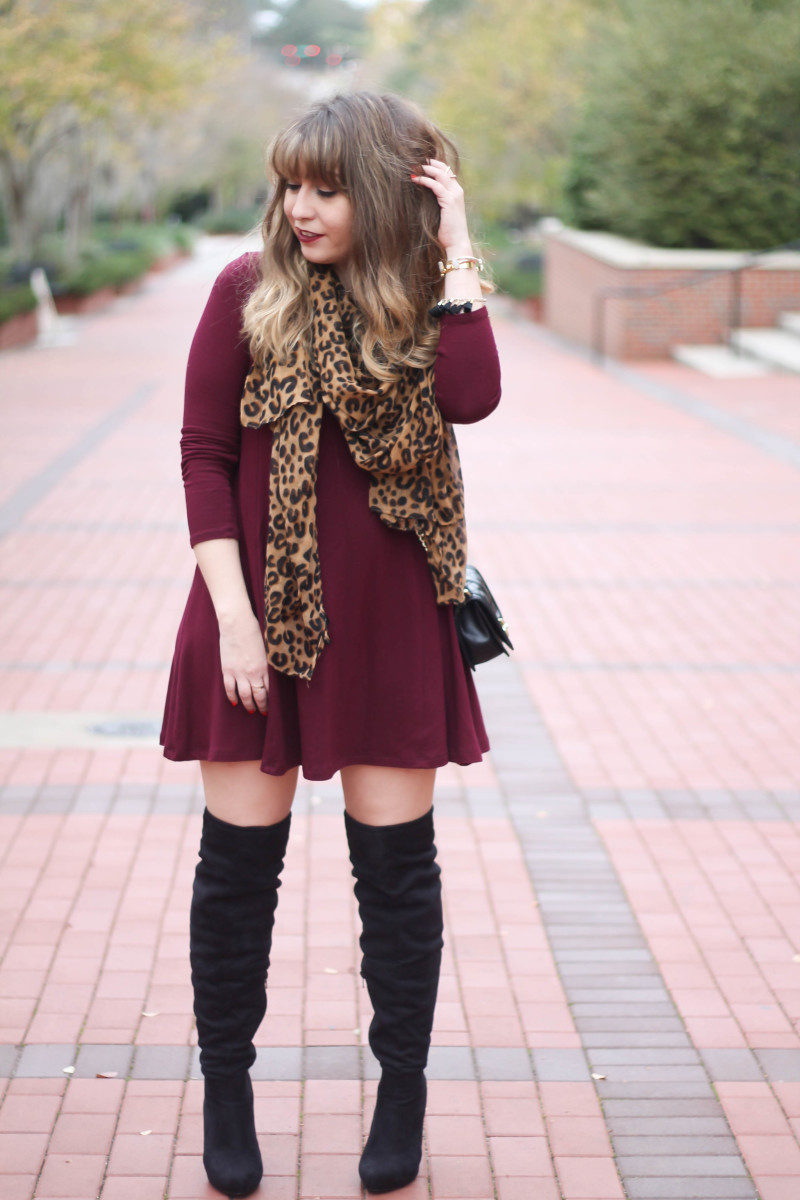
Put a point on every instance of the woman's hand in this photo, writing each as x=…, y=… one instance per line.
x=453, y=231
x=244, y=661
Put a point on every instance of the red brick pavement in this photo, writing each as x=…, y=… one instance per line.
x=647, y=563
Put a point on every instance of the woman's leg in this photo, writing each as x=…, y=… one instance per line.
x=241, y=793
x=245, y=833
x=389, y=824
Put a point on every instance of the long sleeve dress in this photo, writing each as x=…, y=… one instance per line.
x=390, y=689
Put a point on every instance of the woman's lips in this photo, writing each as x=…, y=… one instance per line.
x=307, y=237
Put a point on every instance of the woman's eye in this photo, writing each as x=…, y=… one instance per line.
x=325, y=193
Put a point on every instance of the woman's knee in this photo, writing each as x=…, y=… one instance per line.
x=387, y=795
x=242, y=794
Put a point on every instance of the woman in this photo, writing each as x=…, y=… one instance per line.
x=325, y=509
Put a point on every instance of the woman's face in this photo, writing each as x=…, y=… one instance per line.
x=322, y=221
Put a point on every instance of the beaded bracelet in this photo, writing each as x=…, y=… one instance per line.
x=454, y=306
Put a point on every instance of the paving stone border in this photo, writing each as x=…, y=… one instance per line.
x=702, y=804
x=47, y=1060
x=608, y=971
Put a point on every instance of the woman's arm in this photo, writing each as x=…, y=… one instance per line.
x=219, y=361
x=467, y=368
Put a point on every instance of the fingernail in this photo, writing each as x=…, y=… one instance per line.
x=234, y=702
x=415, y=177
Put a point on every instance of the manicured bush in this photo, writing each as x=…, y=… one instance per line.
x=111, y=269
x=116, y=255
x=15, y=300
x=515, y=262
x=231, y=220
x=690, y=126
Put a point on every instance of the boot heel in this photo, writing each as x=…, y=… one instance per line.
x=231, y=1154
x=393, y=1151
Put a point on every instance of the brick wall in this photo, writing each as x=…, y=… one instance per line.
x=578, y=265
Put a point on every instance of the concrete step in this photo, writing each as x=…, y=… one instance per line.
x=790, y=321
x=723, y=362
x=777, y=347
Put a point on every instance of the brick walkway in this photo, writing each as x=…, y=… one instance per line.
x=620, y=1001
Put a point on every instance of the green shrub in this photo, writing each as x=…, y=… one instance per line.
x=16, y=300
x=116, y=255
x=231, y=220
x=519, y=275
x=688, y=134
x=183, y=237
x=112, y=269
x=515, y=265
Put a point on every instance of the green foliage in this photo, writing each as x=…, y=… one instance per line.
x=80, y=79
x=503, y=79
x=518, y=274
x=114, y=268
x=515, y=264
x=118, y=254
x=689, y=133
x=231, y=220
x=16, y=300
x=115, y=255
x=183, y=237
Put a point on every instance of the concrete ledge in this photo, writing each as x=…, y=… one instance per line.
x=625, y=252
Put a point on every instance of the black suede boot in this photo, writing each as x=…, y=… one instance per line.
x=230, y=935
x=399, y=893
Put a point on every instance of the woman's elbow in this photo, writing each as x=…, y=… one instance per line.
x=466, y=409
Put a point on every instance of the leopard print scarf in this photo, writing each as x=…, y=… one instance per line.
x=395, y=432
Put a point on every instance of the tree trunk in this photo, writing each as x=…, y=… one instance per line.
x=18, y=186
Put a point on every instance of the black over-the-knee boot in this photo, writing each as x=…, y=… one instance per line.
x=230, y=936
x=399, y=893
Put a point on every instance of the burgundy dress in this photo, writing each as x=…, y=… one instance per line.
x=390, y=689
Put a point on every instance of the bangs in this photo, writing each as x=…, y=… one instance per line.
x=312, y=149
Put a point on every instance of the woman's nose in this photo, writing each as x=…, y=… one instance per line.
x=303, y=202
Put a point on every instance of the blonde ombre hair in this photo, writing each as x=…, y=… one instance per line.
x=367, y=146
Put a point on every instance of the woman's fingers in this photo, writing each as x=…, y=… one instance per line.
x=440, y=180
x=244, y=663
x=229, y=683
x=260, y=693
x=253, y=693
x=441, y=173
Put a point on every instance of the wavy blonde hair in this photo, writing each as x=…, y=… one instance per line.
x=367, y=146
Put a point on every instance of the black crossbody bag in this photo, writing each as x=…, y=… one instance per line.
x=482, y=632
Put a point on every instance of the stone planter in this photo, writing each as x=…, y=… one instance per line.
x=169, y=260
x=70, y=305
x=532, y=307
x=628, y=299
x=19, y=330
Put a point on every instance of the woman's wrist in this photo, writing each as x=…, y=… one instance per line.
x=459, y=249
x=232, y=614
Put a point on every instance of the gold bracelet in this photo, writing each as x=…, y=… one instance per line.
x=461, y=264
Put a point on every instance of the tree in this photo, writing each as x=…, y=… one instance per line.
x=72, y=71
x=689, y=133
x=503, y=79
